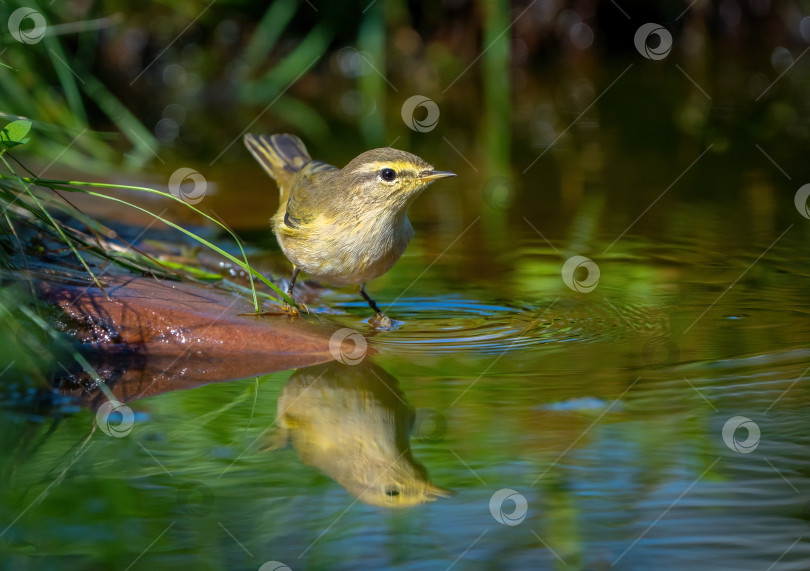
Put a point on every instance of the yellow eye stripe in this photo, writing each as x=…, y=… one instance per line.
x=399, y=166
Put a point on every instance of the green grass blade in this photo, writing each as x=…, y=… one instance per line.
x=73, y=186
x=53, y=222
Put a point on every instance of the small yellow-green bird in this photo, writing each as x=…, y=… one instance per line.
x=342, y=226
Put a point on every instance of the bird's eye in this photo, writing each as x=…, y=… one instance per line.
x=388, y=175
x=391, y=492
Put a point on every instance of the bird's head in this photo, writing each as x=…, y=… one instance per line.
x=389, y=178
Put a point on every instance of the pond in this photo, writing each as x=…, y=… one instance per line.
x=600, y=361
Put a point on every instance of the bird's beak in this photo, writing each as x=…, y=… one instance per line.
x=435, y=491
x=428, y=176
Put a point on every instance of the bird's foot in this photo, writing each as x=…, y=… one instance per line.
x=294, y=310
x=284, y=309
x=382, y=322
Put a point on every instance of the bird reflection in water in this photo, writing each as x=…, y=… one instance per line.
x=352, y=423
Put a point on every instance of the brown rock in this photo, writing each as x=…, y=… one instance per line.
x=155, y=336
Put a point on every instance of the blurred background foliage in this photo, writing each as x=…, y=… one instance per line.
x=182, y=79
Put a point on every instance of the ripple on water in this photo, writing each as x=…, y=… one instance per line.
x=450, y=324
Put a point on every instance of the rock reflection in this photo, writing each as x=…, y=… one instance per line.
x=353, y=424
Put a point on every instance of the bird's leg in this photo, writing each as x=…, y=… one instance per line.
x=370, y=301
x=290, y=291
x=382, y=319
x=292, y=281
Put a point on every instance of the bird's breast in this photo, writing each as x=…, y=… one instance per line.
x=343, y=252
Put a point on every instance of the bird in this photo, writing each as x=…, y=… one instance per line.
x=342, y=226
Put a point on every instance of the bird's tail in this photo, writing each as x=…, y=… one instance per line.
x=280, y=155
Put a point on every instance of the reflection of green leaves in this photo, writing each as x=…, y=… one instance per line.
x=22, y=344
x=15, y=133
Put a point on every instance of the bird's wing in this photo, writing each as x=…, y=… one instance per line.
x=305, y=195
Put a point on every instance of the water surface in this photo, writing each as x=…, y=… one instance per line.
x=602, y=412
